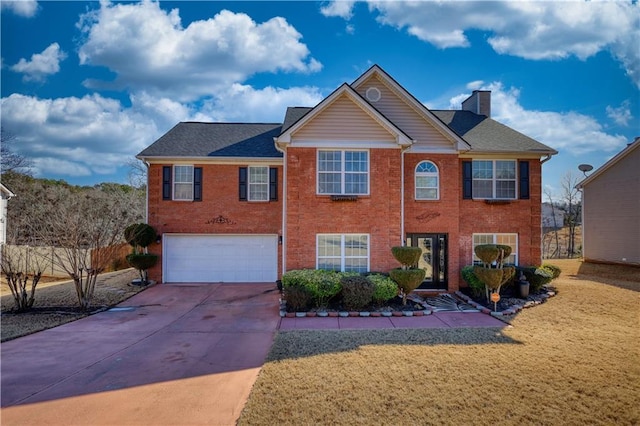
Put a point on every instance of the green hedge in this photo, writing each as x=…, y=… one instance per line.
x=385, y=288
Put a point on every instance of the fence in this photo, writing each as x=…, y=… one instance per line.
x=43, y=258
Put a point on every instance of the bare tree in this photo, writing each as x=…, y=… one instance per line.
x=19, y=267
x=10, y=161
x=137, y=173
x=554, y=225
x=87, y=230
x=573, y=204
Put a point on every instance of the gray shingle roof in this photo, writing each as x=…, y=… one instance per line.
x=191, y=139
x=487, y=135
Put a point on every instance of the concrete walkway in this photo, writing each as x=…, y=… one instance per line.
x=171, y=355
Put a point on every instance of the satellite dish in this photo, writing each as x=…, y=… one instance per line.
x=584, y=168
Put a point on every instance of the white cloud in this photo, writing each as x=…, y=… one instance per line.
x=90, y=133
x=621, y=115
x=96, y=135
x=246, y=104
x=150, y=50
x=25, y=8
x=341, y=9
x=42, y=64
x=568, y=132
x=533, y=30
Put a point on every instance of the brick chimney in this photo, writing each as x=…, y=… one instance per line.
x=479, y=102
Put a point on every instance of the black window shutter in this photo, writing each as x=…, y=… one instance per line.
x=467, y=180
x=242, y=186
x=197, y=184
x=273, y=184
x=166, y=182
x=524, y=179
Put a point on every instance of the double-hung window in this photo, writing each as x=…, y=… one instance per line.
x=183, y=183
x=343, y=252
x=258, y=183
x=427, y=181
x=510, y=240
x=494, y=179
x=343, y=172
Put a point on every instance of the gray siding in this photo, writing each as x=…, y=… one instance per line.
x=611, y=213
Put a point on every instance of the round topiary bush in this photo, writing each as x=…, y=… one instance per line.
x=139, y=235
x=407, y=279
x=406, y=255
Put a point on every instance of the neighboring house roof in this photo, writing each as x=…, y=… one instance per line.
x=606, y=166
x=487, y=135
x=6, y=192
x=192, y=140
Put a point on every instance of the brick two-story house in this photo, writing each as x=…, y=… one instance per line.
x=335, y=186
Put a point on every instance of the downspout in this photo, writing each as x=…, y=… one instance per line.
x=544, y=160
x=146, y=201
x=284, y=205
x=402, y=234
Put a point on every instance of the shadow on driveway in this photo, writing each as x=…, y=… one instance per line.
x=173, y=354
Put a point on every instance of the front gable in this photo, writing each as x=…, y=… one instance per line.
x=344, y=117
x=429, y=133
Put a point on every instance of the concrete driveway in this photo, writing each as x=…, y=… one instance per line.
x=171, y=355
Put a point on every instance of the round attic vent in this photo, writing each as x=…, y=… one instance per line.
x=373, y=94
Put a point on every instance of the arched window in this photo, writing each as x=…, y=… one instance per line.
x=427, y=181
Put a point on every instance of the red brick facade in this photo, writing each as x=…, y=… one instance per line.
x=219, y=212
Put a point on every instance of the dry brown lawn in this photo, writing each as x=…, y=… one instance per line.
x=56, y=303
x=573, y=360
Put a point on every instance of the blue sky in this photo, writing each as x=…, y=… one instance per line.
x=87, y=85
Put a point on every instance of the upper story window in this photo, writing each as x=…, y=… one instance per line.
x=494, y=179
x=343, y=172
x=183, y=183
x=427, y=181
x=510, y=240
x=258, y=183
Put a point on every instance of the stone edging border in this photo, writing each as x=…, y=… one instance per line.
x=427, y=309
x=512, y=311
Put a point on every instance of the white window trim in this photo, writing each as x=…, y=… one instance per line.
x=342, y=171
x=342, y=250
x=437, y=176
x=494, y=179
x=175, y=182
x=249, y=184
x=494, y=238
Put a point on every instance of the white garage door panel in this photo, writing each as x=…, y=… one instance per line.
x=220, y=258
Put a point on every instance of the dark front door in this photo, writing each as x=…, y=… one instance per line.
x=433, y=259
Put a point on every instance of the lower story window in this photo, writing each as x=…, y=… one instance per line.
x=510, y=240
x=343, y=252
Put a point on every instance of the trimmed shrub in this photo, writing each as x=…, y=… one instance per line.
x=384, y=288
x=476, y=286
x=407, y=256
x=357, y=292
x=537, y=276
x=407, y=279
x=142, y=261
x=297, y=297
x=321, y=285
x=488, y=253
x=554, y=269
x=139, y=235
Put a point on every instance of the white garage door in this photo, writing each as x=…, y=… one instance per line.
x=220, y=258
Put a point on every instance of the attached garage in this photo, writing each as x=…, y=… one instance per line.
x=220, y=258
